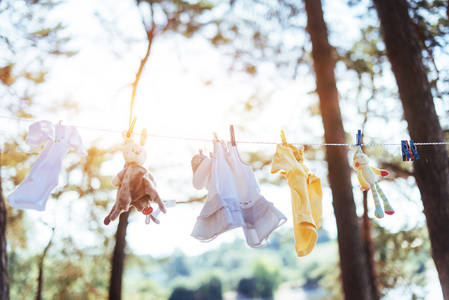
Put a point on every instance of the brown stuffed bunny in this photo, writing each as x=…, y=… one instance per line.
x=135, y=184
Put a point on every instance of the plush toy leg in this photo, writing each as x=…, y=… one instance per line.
x=379, y=213
x=155, y=219
x=387, y=206
x=155, y=198
x=116, y=210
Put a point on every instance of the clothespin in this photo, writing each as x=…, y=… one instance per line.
x=412, y=158
x=215, y=137
x=131, y=127
x=409, y=152
x=358, y=138
x=406, y=153
x=231, y=128
x=284, y=141
x=413, y=148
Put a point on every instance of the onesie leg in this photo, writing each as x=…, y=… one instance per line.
x=387, y=206
x=379, y=213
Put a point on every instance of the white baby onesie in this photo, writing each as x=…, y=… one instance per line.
x=233, y=199
x=43, y=177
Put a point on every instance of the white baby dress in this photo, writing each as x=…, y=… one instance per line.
x=233, y=199
x=43, y=177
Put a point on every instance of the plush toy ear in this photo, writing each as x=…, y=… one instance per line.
x=143, y=137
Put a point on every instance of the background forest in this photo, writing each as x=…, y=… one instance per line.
x=319, y=70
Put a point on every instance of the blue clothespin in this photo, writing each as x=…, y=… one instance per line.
x=405, y=153
x=358, y=138
x=413, y=148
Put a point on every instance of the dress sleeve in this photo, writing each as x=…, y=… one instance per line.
x=202, y=174
x=39, y=132
x=77, y=143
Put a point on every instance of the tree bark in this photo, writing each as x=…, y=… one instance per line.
x=353, y=261
x=369, y=248
x=432, y=169
x=118, y=259
x=4, y=277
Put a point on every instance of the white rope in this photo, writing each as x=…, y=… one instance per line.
x=242, y=142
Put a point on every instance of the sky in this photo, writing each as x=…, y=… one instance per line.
x=174, y=103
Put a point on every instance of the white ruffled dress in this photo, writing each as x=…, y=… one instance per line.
x=233, y=199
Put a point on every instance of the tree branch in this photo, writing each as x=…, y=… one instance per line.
x=40, y=278
x=150, y=37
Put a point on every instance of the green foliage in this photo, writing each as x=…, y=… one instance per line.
x=83, y=269
x=181, y=293
x=267, y=277
x=247, y=288
x=208, y=290
x=402, y=257
x=262, y=32
x=367, y=54
x=28, y=41
x=22, y=269
x=402, y=260
x=6, y=75
x=178, y=266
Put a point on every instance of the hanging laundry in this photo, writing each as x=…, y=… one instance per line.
x=136, y=186
x=366, y=176
x=306, y=195
x=34, y=191
x=233, y=198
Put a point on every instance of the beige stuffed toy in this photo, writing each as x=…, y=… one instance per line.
x=366, y=175
x=136, y=186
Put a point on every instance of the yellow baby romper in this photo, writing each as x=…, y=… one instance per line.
x=306, y=196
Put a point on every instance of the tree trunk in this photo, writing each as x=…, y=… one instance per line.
x=118, y=259
x=432, y=169
x=4, y=277
x=369, y=248
x=354, y=266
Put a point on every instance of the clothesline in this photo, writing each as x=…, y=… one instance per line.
x=237, y=141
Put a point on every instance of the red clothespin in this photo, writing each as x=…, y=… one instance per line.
x=413, y=148
x=412, y=158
